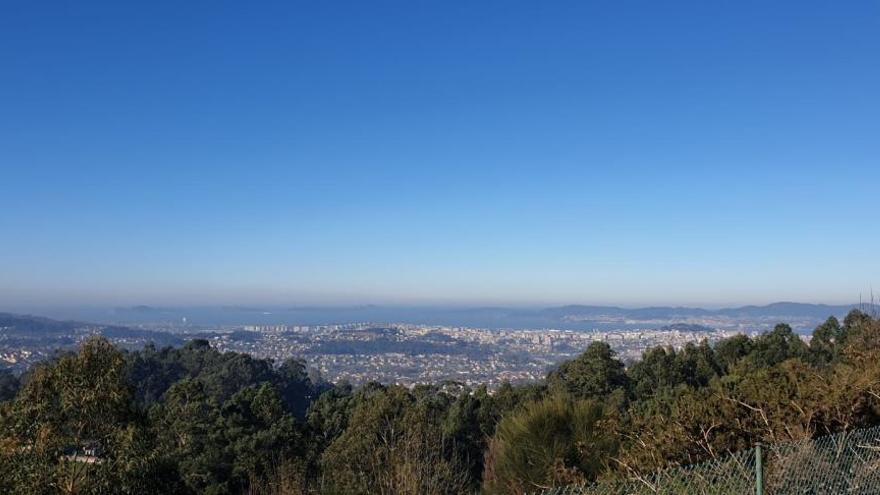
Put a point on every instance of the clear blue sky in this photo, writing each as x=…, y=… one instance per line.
x=438, y=152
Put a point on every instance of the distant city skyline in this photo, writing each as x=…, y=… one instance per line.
x=625, y=153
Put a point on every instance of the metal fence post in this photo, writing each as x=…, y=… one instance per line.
x=759, y=470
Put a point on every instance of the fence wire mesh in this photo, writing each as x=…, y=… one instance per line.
x=844, y=463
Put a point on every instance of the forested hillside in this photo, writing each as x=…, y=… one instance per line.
x=193, y=420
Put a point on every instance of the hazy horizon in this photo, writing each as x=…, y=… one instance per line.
x=280, y=308
x=803, y=317
x=107, y=304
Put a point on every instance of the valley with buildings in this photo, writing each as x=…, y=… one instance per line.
x=409, y=354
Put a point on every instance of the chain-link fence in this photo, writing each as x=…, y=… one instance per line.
x=845, y=463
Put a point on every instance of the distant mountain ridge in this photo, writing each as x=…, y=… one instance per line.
x=777, y=309
x=29, y=325
x=15, y=327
